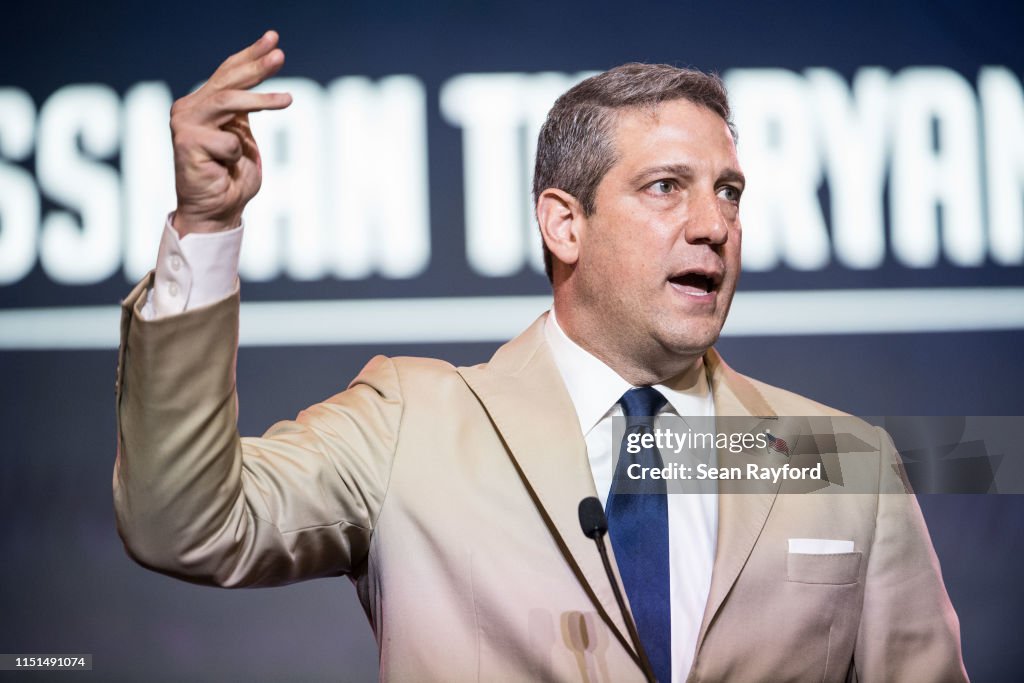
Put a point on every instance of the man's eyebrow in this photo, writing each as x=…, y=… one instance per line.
x=678, y=170
x=733, y=175
x=685, y=171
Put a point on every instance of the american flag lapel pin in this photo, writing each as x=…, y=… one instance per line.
x=777, y=444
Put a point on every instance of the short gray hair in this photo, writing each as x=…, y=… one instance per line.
x=575, y=148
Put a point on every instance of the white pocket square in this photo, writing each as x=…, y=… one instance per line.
x=819, y=546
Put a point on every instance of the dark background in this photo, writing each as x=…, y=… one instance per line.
x=66, y=585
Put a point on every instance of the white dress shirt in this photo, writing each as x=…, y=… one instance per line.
x=595, y=390
x=200, y=269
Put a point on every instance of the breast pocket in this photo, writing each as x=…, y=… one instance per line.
x=836, y=569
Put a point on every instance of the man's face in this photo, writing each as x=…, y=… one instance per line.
x=660, y=256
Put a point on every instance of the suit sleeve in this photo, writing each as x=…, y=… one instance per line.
x=196, y=501
x=909, y=630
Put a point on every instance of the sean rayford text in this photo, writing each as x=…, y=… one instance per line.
x=703, y=472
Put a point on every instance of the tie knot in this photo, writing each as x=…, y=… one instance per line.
x=642, y=402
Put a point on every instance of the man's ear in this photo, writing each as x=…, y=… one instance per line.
x=560, y=218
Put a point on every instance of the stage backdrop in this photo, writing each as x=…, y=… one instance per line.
x=883, y=246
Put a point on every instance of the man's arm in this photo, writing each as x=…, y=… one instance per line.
x=195, y=501
x=192, y=498
x=908, y=629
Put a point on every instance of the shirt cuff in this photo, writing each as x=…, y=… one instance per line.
x=193, y=271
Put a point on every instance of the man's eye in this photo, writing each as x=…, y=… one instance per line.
x=663, y=187
x=729, y=193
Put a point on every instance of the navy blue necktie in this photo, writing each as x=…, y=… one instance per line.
x=638, y=525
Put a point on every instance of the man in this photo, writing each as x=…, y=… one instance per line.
x=449, y=495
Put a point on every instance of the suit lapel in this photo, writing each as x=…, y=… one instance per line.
x=522, y=391
x=741, y=516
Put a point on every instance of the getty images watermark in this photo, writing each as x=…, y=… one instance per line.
x=819, y=454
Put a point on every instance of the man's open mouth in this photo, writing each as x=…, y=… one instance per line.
x=697, y=282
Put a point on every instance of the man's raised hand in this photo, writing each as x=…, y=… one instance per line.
x=216, y=162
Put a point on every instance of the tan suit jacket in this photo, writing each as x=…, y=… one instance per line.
x=449, y=496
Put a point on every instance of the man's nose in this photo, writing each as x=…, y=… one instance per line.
x=705, y=222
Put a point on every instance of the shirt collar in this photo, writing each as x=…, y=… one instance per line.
x=595, y=388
